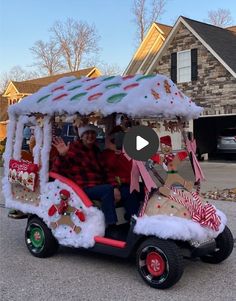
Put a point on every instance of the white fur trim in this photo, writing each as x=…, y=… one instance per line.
x=89, y=127
x=173, y=227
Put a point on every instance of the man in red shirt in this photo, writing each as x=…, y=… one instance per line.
x=119, y=173
x=81, y=161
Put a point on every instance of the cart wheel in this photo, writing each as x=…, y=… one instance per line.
x=224, y=247
x=159, y=263
x=39, y=238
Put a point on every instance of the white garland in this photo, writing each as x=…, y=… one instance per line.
x=38, y=133
x=45, y=152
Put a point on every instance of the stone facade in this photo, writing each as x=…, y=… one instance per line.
x=215, y=88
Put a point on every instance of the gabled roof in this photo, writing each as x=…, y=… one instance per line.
x=137, y=96
x=26, y=88
x=152, y=42
x=44, y=81
x=231, y=28
x=165, y=28
x=33, y=85
x=219, y=41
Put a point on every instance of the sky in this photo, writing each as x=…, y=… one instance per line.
x=23, y=22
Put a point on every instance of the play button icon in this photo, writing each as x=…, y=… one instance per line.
x=141, y=142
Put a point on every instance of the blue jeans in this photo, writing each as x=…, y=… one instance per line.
x=131, y=201
x=105, y=194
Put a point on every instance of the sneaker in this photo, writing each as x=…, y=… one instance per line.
x=17, y=214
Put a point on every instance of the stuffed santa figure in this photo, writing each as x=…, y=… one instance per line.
x=170, y=163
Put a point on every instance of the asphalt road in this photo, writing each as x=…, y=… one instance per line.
x=81, y=275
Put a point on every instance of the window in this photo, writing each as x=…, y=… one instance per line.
x=183, y=66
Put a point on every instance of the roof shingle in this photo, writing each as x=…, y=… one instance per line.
x=221, y=40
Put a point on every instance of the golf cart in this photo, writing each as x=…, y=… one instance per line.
x=173, y=221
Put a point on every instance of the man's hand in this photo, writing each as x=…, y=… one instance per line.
x=61, y=146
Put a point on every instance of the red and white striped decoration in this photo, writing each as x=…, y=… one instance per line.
x=146, y=198
x=205, y=215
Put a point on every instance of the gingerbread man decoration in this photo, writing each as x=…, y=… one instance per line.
x=170, y=163
x=65, y=211
x=155, y=94
x=167, y=86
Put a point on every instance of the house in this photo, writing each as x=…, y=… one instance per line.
x=201, y=59
x=3, y=117
x=15, y=91
x=148, y=49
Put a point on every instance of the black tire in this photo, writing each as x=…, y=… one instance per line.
x=224, y=247
x=159, y=263
x=39, y=239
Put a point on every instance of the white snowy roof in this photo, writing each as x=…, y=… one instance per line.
x=137, y=96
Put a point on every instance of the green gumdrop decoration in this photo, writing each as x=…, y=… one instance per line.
x=78, y=96
x=108, y=78
x=116, y=98
x=112, y=86
x=75, y=87
x=145, y=76
x=72, y=80
x=43, y=98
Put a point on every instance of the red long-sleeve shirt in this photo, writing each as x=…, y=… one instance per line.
x=81, y=164
x=117, y=166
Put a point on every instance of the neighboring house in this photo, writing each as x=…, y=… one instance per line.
x=148, y=49
x=15, y=91
x=201, y=59
x=3, y=117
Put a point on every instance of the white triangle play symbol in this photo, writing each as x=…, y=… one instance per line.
x=141, y=143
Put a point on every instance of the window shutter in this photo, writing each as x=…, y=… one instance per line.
x=173, y=71
x=194, y=64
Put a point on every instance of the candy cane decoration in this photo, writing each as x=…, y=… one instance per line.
x=146, y=198
x=205, y=215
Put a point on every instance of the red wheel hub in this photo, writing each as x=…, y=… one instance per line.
x=155, y=264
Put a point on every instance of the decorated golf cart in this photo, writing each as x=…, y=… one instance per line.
x=173, y=221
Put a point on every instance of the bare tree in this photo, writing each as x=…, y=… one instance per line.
x=105, y=68
x=76, y=40
x=145, y=13
x=48, y=56
x=221, y=17
x=17, y=73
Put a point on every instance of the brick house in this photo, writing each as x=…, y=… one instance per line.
x=201, y=59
